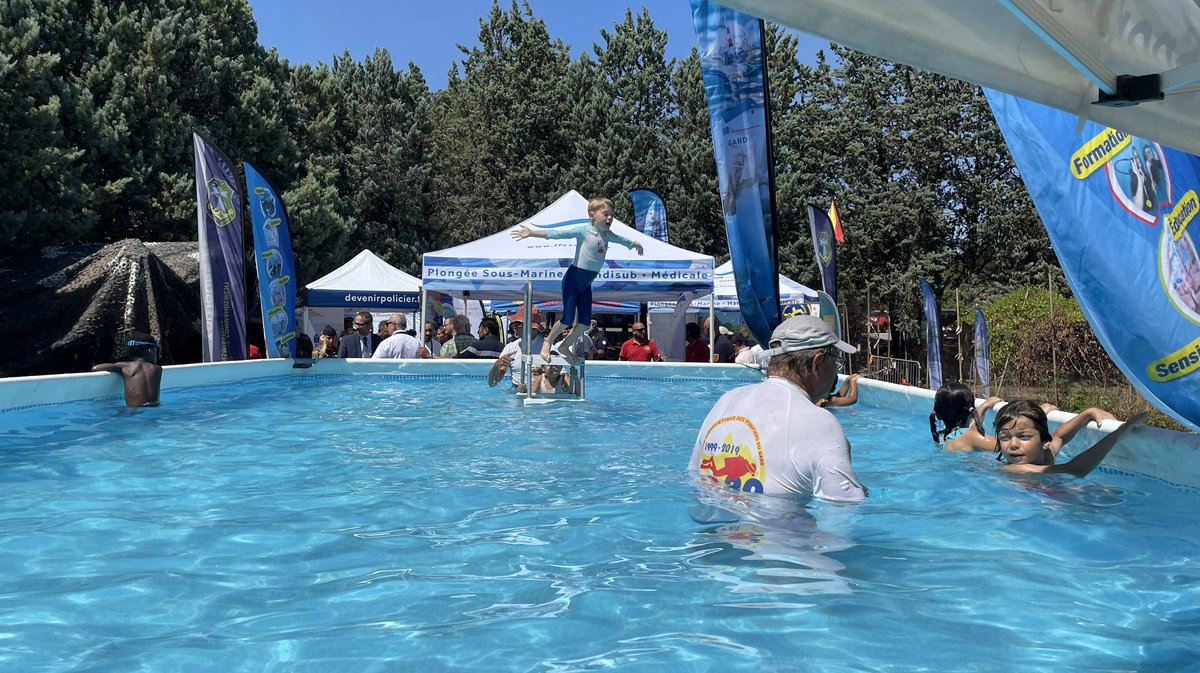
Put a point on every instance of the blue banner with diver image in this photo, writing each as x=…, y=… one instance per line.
x=276, y=267
x=933, y=335
x=732, y=64
x=1118, y=210
x=649, y=213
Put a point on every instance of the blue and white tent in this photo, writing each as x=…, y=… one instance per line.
x=725, y=294
x=499, y=267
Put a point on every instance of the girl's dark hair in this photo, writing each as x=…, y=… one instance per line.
x=1027, y=409
x=954, y=406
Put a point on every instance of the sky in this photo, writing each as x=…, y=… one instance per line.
x=427, y=32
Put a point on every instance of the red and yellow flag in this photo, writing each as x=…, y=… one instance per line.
x=836, y=220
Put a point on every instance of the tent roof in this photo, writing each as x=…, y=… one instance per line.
x=366, y=272
x=725, y=291
x=1056, y=52
x=498, y=266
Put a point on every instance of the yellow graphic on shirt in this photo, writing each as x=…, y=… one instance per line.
x=737, y=458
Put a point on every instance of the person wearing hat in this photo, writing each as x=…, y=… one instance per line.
x=771, y=437
x=723, y=347
x=510, y=356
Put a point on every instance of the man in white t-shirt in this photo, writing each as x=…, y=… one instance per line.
x=400, y=345
x=770, y=437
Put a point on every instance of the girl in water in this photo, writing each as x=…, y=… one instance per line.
x=591, y=245
x=963, y=428
x=962, y=424
x=1024, y=442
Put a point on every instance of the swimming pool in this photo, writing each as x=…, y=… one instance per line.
x=378, y=522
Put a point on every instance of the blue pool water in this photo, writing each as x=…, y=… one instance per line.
x=375, y=523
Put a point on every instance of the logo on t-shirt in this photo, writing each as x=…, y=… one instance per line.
x=733, y=455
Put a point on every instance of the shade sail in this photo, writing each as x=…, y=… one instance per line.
x=1056, y=52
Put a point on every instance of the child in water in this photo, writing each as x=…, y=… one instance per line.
x=963, y=428
x=962, y=423
x=1024, y=441
x=591, y=246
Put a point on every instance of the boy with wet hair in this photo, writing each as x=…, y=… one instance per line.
x=140, y=370
x=591, y=246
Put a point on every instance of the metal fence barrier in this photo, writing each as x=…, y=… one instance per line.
x=895, y=370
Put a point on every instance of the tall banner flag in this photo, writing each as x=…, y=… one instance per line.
x=1118, y=210
x=735, y=84
x=276, y=267
x=822, y=238
x=835, y=220
x=222, y=279
x=649, y=213
x=933, y=335
x=983, y=353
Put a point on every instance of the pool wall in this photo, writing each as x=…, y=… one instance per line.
x=1163, y=454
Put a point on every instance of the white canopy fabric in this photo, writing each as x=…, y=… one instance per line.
x=725, y=293
x=499, y=266
x=1059, y=53
x=366, y=281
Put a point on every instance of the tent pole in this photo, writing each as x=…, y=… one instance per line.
x=527, y=340
x=421, y=322
x=712, y=326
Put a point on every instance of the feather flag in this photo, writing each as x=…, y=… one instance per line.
x=276, y=265
x=732, y=63
x=649, y=213
x=835, y=221
x=933, y=335
x=222, y=278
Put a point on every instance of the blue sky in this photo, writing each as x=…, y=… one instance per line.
x=426, y=32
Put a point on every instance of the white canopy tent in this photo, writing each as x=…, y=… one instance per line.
x=1063, y=53
x=501, y=267
x=366, y=282
x=724, y=296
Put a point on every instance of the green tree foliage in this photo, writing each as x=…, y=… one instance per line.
x=99, y=100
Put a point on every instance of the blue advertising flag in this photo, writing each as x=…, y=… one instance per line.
x=222, y=279
x=933, y=335
x=983, y=353
x=823, y=238
x=276, y=267
x=735, y=84
x=649, y=213
x=1117, y=209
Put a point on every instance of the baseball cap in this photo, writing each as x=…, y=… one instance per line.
x=803, y=332
x=522, y=314
x=724, y=330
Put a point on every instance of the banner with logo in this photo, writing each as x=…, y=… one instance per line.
x=735, y=84
x=222, y=279
x=276, y=267
x=1119, y=212
x=933, y=335
x=649, y=213
x=983, y=353
x=823, y=237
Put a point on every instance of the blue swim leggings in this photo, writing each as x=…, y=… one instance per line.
x=577, y=295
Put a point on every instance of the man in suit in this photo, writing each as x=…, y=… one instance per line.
x=362, y=343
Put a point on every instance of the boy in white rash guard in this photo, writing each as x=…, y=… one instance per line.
x=591, y=245
x=770, y=437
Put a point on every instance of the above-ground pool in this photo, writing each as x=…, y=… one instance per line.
x=387, y=523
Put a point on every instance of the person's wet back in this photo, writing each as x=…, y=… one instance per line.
x=140, y=371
